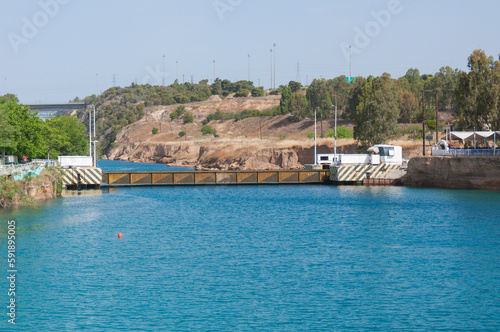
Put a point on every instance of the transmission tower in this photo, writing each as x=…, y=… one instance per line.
x=298, y=78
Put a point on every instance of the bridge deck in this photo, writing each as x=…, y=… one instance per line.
x=215, y=177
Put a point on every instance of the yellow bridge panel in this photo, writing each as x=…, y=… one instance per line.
x=309, y=177
x=184, y=178
x=288, y=177
x=119, y=178
x=140, y=178
x=205, y=178
x=267, y=177
x=163, y=178
x=247, y=177
x=226, y=177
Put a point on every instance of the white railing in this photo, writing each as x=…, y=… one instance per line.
x=465, y=152
x=13, y=169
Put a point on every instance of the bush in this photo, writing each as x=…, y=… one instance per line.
x=310, y=134
x=206, y=130
x=182, y=133
x=258, y=92
x=180, y=110
x=188, y=117
x=154, y=131
x=216, y=135
x=242, y=93
x=173, y=115
x=342, y=132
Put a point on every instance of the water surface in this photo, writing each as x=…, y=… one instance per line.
x=265, y=258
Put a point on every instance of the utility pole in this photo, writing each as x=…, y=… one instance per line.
x=95, y=144
x=437, y=126
x=249, y=68
x=97, y=84
x=423, y=122
x=335, y=145
x=271, y=87
x=260, y=122
x=315, y=149
x=163, y=70
x=214, y=71
x=350, y=63
x=274, y=65
x=90, y=132
x=177, y=71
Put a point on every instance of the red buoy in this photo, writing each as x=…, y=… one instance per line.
x=119, y=235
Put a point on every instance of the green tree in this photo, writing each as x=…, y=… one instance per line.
x=408, y=106
x=286, y=99
x=242, y=93
x=66, y=137
x=187, y=118
x=7, y=131
x=294, y=86
x=377, y=111
x=477, y=94
x=154, y=131
x=258, y=92
x=298, y=106
x=30, y=132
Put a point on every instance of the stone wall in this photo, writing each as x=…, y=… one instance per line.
x=454, y=173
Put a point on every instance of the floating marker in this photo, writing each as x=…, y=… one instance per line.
x=119, y=235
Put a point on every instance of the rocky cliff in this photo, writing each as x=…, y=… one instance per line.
x=28, y=191
x=454, y=173
x=229, y=155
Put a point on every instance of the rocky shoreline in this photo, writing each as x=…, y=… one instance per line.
x=29, y=191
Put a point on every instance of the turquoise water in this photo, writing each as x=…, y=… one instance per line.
x=257, y=258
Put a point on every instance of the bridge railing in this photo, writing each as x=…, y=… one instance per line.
x=25, y=168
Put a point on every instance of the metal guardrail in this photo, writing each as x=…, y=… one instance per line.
x=472, y=152
x=6, y=170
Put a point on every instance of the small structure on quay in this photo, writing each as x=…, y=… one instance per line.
x=382, y=165
x=472, y=143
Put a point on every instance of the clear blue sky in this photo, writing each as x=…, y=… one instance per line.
x=53, y=53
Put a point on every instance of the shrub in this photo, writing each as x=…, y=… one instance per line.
x=283, y=136
x=216, y=135
x=173, y=115
x=342, y=132
x=182, y=133
x=180, y=109
x=154, y=131
x=310, y=134
x=258, y=92
x=206, y=130
x=188, y=117
x=242, y=93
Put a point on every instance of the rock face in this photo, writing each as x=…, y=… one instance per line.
x=223, y=157
x=25, y=192
x=454, y=173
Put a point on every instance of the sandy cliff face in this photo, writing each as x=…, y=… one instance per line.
x=229, y=155
x=454, y=172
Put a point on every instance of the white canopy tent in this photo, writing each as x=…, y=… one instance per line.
x=476, y=136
